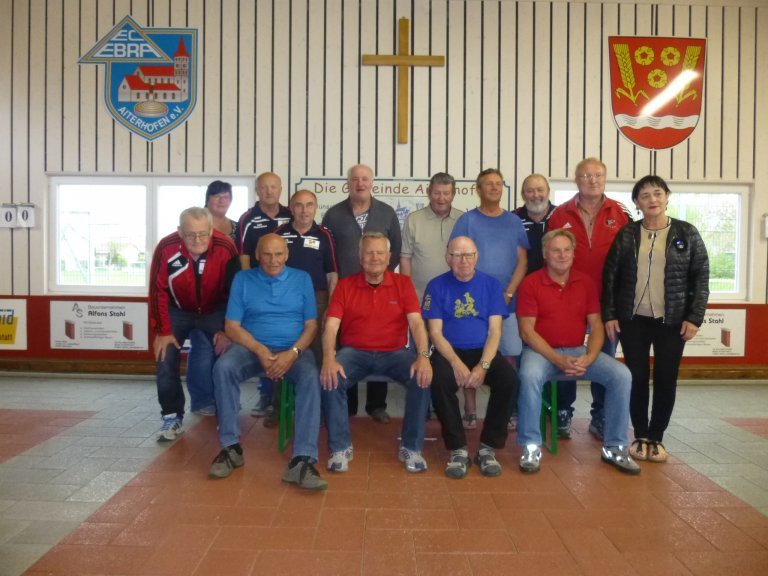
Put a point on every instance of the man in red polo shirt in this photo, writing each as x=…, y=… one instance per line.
x=594, y=220
x=374, y=309
x=555, y=305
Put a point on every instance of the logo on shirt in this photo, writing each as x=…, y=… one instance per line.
x=312, y=243
x=465, y=309
x=567, y=225
x=427, y=302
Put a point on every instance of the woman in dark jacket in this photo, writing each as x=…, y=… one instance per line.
x=655, y=290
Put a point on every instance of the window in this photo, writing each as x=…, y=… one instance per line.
x=105, y=229
x=717, y=211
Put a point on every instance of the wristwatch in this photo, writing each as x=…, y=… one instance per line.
x=297, y=350
x=485, y=365
x=426, y=353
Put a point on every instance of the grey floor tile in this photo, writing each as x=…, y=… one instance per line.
x=134, y=465
x=85, y=471
x=31, y=475
x=103, y=487
x=16, y=558
x=62, y=511
x=29, y=491
x=9, y=528
x=44, y=532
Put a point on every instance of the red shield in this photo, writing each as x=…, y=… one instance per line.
x=657, y=88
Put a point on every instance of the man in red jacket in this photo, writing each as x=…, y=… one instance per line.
x=187, y=291
x=594, y=220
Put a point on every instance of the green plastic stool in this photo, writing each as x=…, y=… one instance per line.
x=549, y=412
x=285, y=414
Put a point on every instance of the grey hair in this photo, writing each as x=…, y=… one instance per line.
x=374, y=236
x=196, y=213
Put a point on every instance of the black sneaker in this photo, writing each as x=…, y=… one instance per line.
x=596, y=428
x=303, y=473
x=563, y=424
x=226, y=461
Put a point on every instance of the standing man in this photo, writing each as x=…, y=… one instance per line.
x=271, y=319
x=502, y=252
x=187, y=291
x=464, y=309
x=594, y=220
x=348, y=220
x=557, y=304
x=265, y=216
x=311, y=248
x=426, y=233
x=373, y=311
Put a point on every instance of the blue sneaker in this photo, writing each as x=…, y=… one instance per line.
x=171, y=428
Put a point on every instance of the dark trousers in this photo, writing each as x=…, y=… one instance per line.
x=637, y=336
x=503, y=382
x=375, y=397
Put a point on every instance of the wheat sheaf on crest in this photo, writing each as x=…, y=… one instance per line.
x=627, y=74
x=690, y=60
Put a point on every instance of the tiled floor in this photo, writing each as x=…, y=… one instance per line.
x=85, y=489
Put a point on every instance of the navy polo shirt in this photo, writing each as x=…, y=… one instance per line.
x=313, y=252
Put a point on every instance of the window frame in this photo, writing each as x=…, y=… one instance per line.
x=152, y=185
x=744, y=191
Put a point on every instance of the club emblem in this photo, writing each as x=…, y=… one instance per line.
x=150, y=76
x=657, y=87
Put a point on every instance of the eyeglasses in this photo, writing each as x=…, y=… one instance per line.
x=192, y=236
x=462, y=255
x=587, y=177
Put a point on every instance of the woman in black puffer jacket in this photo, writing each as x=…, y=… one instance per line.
x=655, y=291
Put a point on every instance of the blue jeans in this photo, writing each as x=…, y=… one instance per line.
x=238, y=364
x=200, y=370
x=566, y=390
x=613, y=376
x=510, y=343
x=170, y=393
x=357, y=365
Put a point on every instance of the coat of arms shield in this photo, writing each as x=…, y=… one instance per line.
x=657, y=86
x=150, y=76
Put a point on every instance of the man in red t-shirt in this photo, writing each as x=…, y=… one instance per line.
x=555, y=306
x=373, y=310
x=594, y=220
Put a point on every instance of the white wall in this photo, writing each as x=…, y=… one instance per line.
x=281, y=88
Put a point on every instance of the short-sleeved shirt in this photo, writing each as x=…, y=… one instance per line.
x=374, y=318
x=272, y=309
x=497, y=239
x=313, y=252
x=425, y=237
x=535, y=232
x=560, y=311
x=254, y=224
x=464, y=307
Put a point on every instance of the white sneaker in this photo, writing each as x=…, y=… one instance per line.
x=339, y=461
x=414, y=461
x=531, y=458
x=171, y=428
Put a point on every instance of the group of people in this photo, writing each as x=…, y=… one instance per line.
x=480, y=297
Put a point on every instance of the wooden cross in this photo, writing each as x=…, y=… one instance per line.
x=403, y=60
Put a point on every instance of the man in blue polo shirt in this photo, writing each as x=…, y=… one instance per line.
x=311, y=248
x=277, y=304
x=464, y=309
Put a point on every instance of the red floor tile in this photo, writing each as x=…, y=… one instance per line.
x=20, y=430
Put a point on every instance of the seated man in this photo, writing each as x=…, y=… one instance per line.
x=464, y=309
x=374, y=309
x=277, y=304
x=187, y=292
x=555, y=306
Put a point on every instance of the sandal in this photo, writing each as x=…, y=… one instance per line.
x=470, y=421
x=656, y=451
x=639, y=449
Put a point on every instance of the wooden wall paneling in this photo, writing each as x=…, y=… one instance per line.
x=418, y=116
x=558, y=89
x=645, y=26
x=159, y=149
x=401, y=153
x=139, y=147
x=368, y=87
x=618, y=151
x=541, y=130
x=661, y=161
x=71, y=87
x=474, y=84
x=437, y=113
x=37, y=192
x=177, y=139
x=54, y=113
x=349, y=105
x=384, y=28
x=489, y=113
x=229, y=97
x=122, y=136
x=333, y=85
x=697, y=140
x=87, y=101
x=280, y=90
x=212, y=54
x=715, y=89
x=105, y=123
x=593, y=86
x=454, y=87
x=745, y=133
x=314, y=131
x=265, y=58
x=677, y=168
x=296, y=130
x=730, y=145
x=195, y=124
x=245, y=134
x=577, y=14
x=759, y=203
x=508, y=82
x=7, y=123
x=525, y=95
